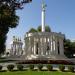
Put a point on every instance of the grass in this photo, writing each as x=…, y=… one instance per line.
x=36, y=73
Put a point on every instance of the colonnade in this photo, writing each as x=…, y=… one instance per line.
x=16, y=47
x=44, y=45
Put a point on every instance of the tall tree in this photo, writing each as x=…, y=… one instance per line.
x=8, y=18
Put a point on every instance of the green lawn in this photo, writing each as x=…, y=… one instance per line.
x=36, y=73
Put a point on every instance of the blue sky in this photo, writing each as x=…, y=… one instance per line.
x=60, y=16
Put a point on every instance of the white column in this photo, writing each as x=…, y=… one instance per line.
x=14, y=49
x=30, y=45
x=17, y=52
x=52, y=45
x=11, y=51
x=43, y=21
x=34, y=46
x=43, y=16
x=61, y=46
x=43, y=46
x=56, y=46
x=39, y=45
x=26, y=45
x=49, y=45
x=46, y=46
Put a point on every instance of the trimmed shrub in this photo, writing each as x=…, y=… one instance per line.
x=1, y=67
x=71, y=68
x=61, y=67
x=49, y=67
x=31, y=66
x=20, y=67
x=10, y=67
x=40, y=66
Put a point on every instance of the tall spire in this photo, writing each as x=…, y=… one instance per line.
x=43, y=16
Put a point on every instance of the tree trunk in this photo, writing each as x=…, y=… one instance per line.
x=3, y=35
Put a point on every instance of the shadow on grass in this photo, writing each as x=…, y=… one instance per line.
x=67, y=71
x=3, y=70
x=43, y=70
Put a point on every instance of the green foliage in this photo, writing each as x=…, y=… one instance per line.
x=1, y=67
x=32, y=30
x=61, y=67
x=49, y=67
x=69, y=48
x=47, y=28
x=39, y=28
x=71, y=68
x=20, y=67
x=31, y=66
x=10, y=67
x=8, y=19
x=40, y=66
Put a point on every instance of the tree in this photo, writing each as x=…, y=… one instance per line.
x=69, y=48
x=32, y=30
x=39, y=29
x=8, y=18
x=47, y=29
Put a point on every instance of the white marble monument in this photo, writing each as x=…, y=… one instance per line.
x=16, y=47
x=44, y=45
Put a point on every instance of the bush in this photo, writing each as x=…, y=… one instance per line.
x=10, y=67
x=31, y=66
x=61, y=67
x=20, y=67
x=40, y=66
x=49, y=67
x=71, y=68
x=0, y=67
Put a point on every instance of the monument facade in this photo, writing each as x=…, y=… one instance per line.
x=16, y=47
x=43, y=45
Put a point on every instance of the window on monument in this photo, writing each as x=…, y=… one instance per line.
x=58, y=48
x=37, y=48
